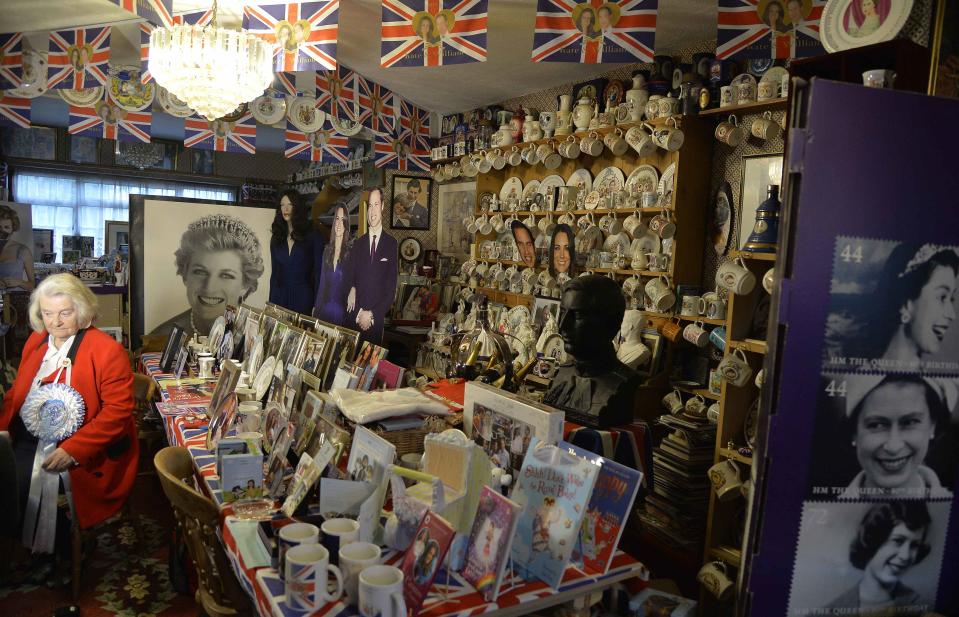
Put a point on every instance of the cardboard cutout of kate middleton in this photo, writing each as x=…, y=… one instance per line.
x=374, y=272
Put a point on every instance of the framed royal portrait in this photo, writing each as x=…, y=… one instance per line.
x=411, y=202
x=456, y=202
x=115, y=234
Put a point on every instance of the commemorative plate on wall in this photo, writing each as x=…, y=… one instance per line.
x=128, y=92
x=172, y=105
x=513, y=187
x=550, y=183
x=582, y=179
x=845, y=24
x=304, y=115
x=269, y=108
x=34, y=77
x=345, y=126
x=609, y=181
x=531, y=188
x=410, y=249
x=643, y=179
x=86, y=97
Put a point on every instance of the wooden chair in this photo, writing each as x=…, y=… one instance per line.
x=78, y=536
x=219, y=593
x=149, y=433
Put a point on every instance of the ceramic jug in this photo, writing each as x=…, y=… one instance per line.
x=583, y=114
x=637, y=97
x=531, y=129
x=565, y=102
x=503, y=137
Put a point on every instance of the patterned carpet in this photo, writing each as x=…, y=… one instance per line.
x=124, y=575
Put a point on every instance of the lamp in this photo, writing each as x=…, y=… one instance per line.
x=213, y=70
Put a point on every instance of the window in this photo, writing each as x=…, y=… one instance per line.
x=80, y=204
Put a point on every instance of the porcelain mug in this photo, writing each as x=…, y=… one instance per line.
x=591, y=145
x=660, y=293
x=307, y=574
x=672, y=330
x=652, y=107
x=439, y=173
x=760, y=378
x=496, y=158
x=482, y=225
x=497, y=222
x=690, y=306
x=469, y=167
x=729, y=133
x=769, y=280
x=633, y=288
x=696, y=407
x=631, y=224
x=515, y=157
x=766, y=128
x=712, y=306
x=615, y=142
x=726, y=96
x=546, y=225
x=292, y=535
x=610, y=225
x=353, y=559
x=550, y=158
x=205, y=363
x=648, y=199
x=657, y=262
x=570, y=148
x=381, y=592
x=696, y=334
x=668, y=106
x=725, y=479
x=715, y=579
x=766, y=90
x=735, y=368
x=662, y=226
x=736, y=277
x=639, y=261
x=745, y=92
x=878, y=78
x=529, y=155
x=673, y=402
x=712, y=414
x=640, y=140
x=669, y=138
x=718, y=338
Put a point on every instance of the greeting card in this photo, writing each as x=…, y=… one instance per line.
x=489, y=543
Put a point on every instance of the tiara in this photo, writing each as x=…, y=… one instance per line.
x=924, y=254
x=233, y=227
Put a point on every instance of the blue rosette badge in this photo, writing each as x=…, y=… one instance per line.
x=51, y=413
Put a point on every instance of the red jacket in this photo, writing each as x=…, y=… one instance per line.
x=106, y=445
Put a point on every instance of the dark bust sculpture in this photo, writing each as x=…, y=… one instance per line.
x=596, y=389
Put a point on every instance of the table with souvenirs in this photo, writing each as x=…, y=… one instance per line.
x=186, y=423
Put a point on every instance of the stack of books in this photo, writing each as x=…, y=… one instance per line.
x=676, y=509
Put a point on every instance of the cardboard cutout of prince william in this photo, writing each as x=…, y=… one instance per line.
x=374, y=272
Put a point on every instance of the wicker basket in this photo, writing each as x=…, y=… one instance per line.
x=411, y=440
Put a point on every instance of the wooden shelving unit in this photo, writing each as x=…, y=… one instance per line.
x=747, y=108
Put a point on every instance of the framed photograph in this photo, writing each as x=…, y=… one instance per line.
x=456, y=202
x=202, y=162
x=115, y=234
x=42, y=241
x=759, y=171
x=370, y=456
x=592, y=89
x=172, y=349
x=944, y=74
x=36, y=142
x=544, y=306
x=157, y=154
x=411, y=202
x=503, y=424
x=84, y=149
x=226, y=384
x=654, y=341
x=82, y=244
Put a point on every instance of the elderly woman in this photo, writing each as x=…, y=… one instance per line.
x=101, y=456
x=220, y=262
x=296, y=252
x=16, y=260
x=890, y=540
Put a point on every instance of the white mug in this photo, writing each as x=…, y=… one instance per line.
x=736, y=277
x=696, y=334
x=726, y=479
x=337, y=533
x=205, y=362
x=307, y=573
x=381, y=592
x=715, y=579
x=673, y=402
x=713, y=413
x=354, y=558
x=660, y=293
x=295, y=534
x=735, y=368
x=641, y=141
x=690, y=306
x=696, y=406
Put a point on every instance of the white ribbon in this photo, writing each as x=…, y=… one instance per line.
x=51, y=413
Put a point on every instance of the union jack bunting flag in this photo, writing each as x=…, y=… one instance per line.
x=195, y=18
x=11, y=60
x=285, y=83
x=107, y=121
x=304, y=33
x=157, y=12
x=338, y=93
x=377, y=106
x=391, y=152
x=769, y=29
x=324, y=145
x=415, y=133
x=222, y=136
x=79, y=58
x=14, y=111
x=433, y=32
x=595, y=31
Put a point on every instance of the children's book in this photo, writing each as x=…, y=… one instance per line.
x=608, y=510
x=423, y=558
x=553, y=489
x=490, y=542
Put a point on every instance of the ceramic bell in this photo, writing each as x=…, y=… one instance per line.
x=765, y=235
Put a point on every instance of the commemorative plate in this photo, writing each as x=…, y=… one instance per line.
x=87, y=97
x=261, y=383
x=845, y=25
x=269, y=108
x=216, y=333
x=172, y=105
x=666, y=180
x=643, y=179
x=345, y=126
x=128, y=92
x=609, y=181
x=549, y=184
x=33, y=81
x=513, y=187
x=531, y=188
x=304, y=115
x=582, y=179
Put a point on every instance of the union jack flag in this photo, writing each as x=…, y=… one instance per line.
x=745, y=32
x=338, y=93
x=433, y=32
x=222, y=136
x=285, y=83
x=14, y=111
x=79, y=58
x=391, y=152
x=324, y=145
x=304, y=33
x=11, y=60
x=595, y=31
x=195, y=18
x=415, y=133
x=157, y=12
x=108, y=121
x=377, y=106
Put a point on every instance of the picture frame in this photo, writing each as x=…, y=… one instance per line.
x=758, y=170
x=654, y=341
x=84, y=150
x=592, y=89
x=83, y=245
x=202, y=162
x=115, y=234
x=115, y=331
x=225, y=384
x=541, y=306
x=944, y=81
x=171, y=349
x=36, y=142
x=411, y=202
x=456, y=202
x=42, y=241
x=158, y=154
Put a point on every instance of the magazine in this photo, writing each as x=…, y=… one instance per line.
x=490, y=542
x=552, y=488
x=423, y=558
x=608, y=510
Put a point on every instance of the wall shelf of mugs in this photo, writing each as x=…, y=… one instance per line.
x=686, y=208
x=749, y=108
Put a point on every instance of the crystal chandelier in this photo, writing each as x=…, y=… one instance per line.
x=140, y=155
x=213, y=70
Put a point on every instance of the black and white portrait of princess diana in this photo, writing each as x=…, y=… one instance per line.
x=196, y=259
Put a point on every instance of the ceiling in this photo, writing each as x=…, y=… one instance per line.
x=507, y=73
